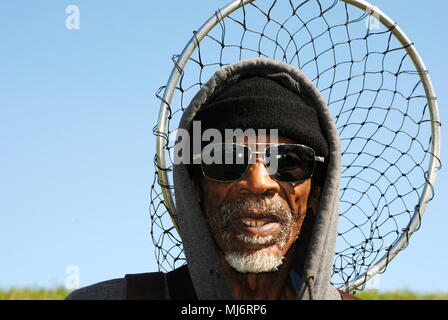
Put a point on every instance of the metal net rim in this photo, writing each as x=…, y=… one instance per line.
x=398, y=33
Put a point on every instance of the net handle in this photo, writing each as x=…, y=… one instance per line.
x=397, y=246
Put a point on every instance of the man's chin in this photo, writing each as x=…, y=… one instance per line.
x=254, y=262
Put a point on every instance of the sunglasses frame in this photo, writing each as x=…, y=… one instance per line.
x=198, y=156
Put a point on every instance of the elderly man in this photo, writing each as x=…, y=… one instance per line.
x=257, y=210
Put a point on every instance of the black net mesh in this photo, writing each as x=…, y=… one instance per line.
x=373, y=91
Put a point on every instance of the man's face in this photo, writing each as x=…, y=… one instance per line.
x=255, y=220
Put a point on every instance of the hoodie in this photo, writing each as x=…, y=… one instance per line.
x=314, y=260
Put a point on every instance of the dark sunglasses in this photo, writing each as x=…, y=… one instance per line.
x=226, y=162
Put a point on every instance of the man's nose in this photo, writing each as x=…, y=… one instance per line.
x=257, y=181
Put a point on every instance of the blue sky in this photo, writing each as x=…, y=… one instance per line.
x=77, y=108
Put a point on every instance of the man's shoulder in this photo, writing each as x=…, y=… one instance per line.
x=114, y=289
x=347, y=296
x=139, y=286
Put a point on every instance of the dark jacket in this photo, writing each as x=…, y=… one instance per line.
x=174, y=285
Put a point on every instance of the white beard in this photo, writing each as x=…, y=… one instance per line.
x=256, y=262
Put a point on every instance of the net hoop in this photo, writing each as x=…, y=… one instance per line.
x=398, y=33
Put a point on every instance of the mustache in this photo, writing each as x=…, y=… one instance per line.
x=273, y=208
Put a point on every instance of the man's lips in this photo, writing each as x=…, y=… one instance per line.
x=254, y=222
x=252, y=226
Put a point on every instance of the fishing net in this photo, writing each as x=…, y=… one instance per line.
x=379, y=104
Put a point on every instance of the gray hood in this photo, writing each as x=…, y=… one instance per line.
x=208, y=277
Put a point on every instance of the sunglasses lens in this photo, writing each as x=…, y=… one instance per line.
x=285, y=162
x=225, y=162
x=290, y=163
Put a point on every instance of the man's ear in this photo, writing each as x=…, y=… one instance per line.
x=314, y=197
x=317, y=182
x=197, y=187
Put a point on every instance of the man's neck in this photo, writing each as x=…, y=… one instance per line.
x=261, y=286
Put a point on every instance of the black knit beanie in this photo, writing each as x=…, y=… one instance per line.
x=259, y=102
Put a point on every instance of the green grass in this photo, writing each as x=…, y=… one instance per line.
x=399, y=295
x=34, y=294
x=60, y=294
